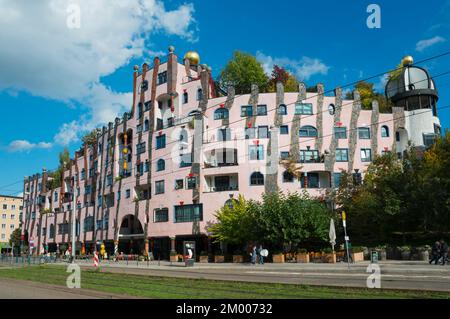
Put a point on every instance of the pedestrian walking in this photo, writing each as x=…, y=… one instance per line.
x=253, y=255
x=260, y=255
x=443, y=252
x=435, y=253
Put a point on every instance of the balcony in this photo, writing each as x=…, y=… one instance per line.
x=220, y=158
x=221, y=183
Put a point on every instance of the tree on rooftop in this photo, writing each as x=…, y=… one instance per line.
x=367, y=95
x=280, y=74
x=242, y=71
x=90, y=138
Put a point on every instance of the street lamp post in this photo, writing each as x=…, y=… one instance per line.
x=346, y=237
x=73, y=226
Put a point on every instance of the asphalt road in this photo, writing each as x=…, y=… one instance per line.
x=19, y=289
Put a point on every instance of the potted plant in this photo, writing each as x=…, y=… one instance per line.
x=238, y=256
x=219, y=257
x=141, y=258
x=405, y=252
x=203, y=257
x=357, y=254
x=173, y=256
x=328, y=256
x=278, y=257
x=302, y=256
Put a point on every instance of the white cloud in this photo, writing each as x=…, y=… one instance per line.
x=41, y=55
x=426, y=43
x=303, y=68
x=380, y=85
x=26, y=146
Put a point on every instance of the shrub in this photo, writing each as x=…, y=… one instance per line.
x=357, y=249
x=302, y=251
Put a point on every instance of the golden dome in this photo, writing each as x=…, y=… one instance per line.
x=193, y=57
x=407, y=60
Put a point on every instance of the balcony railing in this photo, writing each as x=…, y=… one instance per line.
x=221, y=189
x=212, y=164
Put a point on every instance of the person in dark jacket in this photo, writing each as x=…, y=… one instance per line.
x=435, y=253
x=444, y=251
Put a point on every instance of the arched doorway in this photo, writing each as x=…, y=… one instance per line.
x=131, y=236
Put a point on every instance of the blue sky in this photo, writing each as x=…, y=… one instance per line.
x=60, y=82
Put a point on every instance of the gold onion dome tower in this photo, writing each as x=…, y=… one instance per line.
x=193, y=57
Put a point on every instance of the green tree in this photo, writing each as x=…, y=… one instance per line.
x=280, y=74
x=56, y=176
x=368, y=94
x=90, y=138
x=233, y=223
x=14, y=240
x=242, y=71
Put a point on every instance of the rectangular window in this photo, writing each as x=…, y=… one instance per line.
x=256, y=152
x=284, y=129
x=246, y=111
x=140, y=148
x=309, y=156
x=311, y=180
x=261, y=109
x=162, y=78
x=160, y=141
x=340, y=132
x=341, y=155
x=250, y=133
x=191, y=182
x=303, y=109
x=127, y=193
x=429, y=139
x=161, y=215
x=363, y=133
x=366, y=155
x=188, y=213
x=159, y=187
x=87, y=189
x=88, y=224
x=263, y=132
x=186, y=160
x=337, y=179
x=179, y=184
x=224, y=134
x=109, y=180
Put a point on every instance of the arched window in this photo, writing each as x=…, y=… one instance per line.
x=282, y=109
x=160, y=165
x=308, y=131
x=146, y=125
x=384, y=131
x=199, y=94
x=221, y=114
x=257, y=179
x=288, y=177
x=185, y=97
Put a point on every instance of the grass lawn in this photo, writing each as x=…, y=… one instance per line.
x=164, y=287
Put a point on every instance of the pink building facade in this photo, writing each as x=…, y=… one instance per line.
x=156, y=176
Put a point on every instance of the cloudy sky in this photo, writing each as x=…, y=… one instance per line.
x=57, y=82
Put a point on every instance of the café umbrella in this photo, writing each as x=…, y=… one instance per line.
x=332, y=234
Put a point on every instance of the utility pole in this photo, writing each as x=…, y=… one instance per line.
x=73, y=226
x=346, y=237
